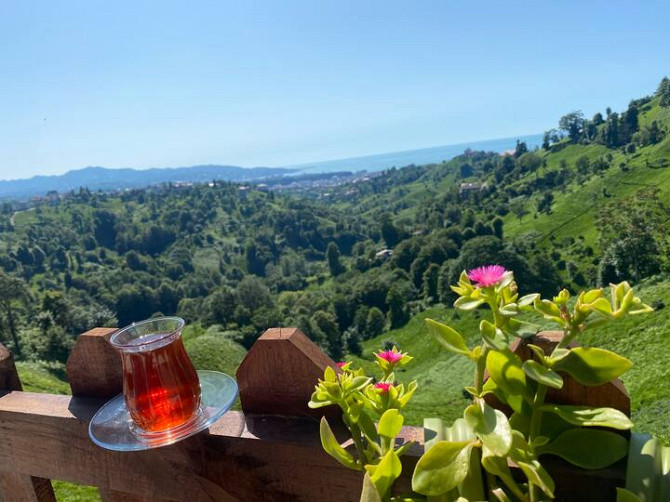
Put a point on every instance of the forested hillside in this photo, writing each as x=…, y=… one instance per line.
x=589, y=207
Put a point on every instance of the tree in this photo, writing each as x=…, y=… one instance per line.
x=572, y=124
x=430, y=281
x=633, y=233
x=397, y=313
x=520, y=149
x=663, y=92
x=519, y=209
x=582, y=164
x=390, y=233
x=104, y=228
x=13, y=292
x=333, y=257
x=375, y=322
x=545, y=202
x=326, y=323
x=497, y=225
x=252, y=293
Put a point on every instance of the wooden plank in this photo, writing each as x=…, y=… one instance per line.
x=94, y=366
x=14, y=486
x=112, y=496
x=278, y=375
x=240, y=458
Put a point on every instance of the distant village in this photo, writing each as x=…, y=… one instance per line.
x=296, y=183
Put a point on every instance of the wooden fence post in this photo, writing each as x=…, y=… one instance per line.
x=94, y=366
x=278, y=375
x=13, y=486
x=94, y=370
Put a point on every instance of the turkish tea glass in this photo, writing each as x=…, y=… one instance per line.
x=160, y=385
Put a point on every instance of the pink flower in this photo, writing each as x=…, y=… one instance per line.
x=341, y=364
x=390, y=355
x=383, y=387
x=487, y=275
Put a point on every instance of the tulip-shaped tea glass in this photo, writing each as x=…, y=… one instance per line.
x=164, y=398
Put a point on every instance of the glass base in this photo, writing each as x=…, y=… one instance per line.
x=112, y=428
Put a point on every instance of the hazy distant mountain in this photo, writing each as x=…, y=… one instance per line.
x=100, y=178
x=433, y=155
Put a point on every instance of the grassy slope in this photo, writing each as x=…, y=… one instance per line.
x=645, y=340
x=575, y=210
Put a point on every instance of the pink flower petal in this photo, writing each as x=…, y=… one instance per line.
x=390, y=356
x=487, y=275
x=383, y=387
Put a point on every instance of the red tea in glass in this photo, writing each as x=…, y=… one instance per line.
x=160, y=384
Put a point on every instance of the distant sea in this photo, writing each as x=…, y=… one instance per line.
x=418, y=157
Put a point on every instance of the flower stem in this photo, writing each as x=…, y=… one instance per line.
x=356, y=436
x=481, y=368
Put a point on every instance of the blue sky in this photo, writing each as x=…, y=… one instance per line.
x=149, y=84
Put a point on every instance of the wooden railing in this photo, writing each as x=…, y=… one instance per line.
x=269, y=451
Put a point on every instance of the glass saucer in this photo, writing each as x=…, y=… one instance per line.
x=112, y=428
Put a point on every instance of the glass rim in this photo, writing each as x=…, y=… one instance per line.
x=179, y=326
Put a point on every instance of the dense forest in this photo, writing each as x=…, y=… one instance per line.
x=588, y=208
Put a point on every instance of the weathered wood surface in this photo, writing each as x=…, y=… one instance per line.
x=94, y=366
x=241, y=458
x=612, y=394
x=278, y=374
x=16, y=486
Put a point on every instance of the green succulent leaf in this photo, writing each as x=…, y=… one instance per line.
x=547, y=308
x=390, y=424
x=497, y=466
x=545, y=376
x=491, y=426
x=623, y=495
x=520, y=328
x=369, y=493
x=593, y=366
x=506, y=371
x=538, y=476
x=442, y=467
x=492, y=335
x=590, y=417
x=333, y=447
x=467, y=303
x=588, y=448
x=330, y=375
x=448, y=337
x=509, y=310
x=501, y=495
x=367, y=426
x=385, y=472
x=528, y=300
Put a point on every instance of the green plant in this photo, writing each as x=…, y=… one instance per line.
x=363, y=401
x=535, y=427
